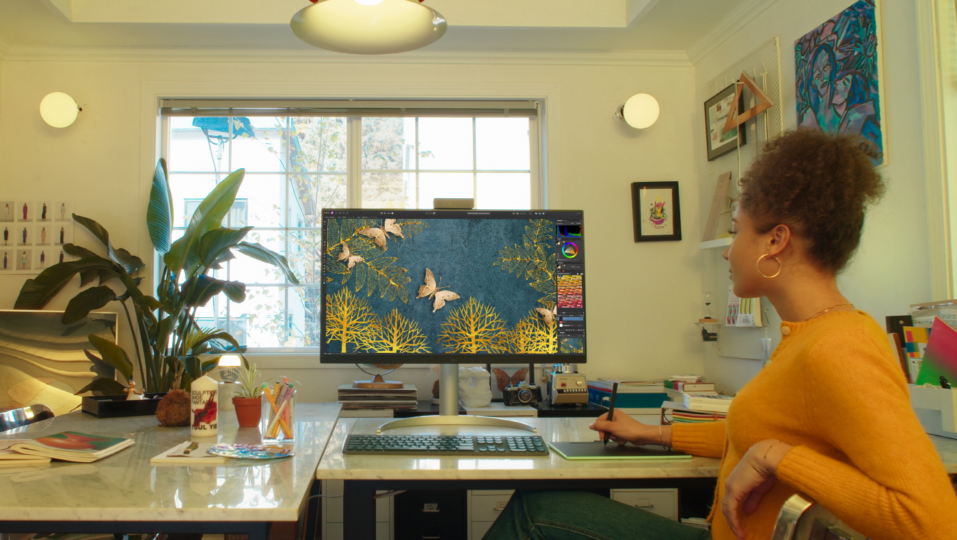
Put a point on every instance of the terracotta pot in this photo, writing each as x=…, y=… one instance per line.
x=249, y=411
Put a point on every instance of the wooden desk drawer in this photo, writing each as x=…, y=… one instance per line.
x=441, y=506
x=663, y=502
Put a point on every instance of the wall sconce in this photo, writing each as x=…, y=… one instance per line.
x=229, y=374
x=59, y=110
x=640, y=111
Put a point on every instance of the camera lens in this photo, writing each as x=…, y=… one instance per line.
x=524, y=395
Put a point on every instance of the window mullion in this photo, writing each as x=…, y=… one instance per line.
x=417, y=163
x=354, y=163
x=474, y=161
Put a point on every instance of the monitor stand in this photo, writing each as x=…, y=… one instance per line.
x=449, y=409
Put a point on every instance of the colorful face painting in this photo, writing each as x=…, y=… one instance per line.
x=836, y=76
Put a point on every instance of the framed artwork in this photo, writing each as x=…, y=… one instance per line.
x=837, y=83
x=716, y=112
x=656, y=211
x=42, y=360
x=32, y=234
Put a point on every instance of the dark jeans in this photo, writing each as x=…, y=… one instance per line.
x=575, y=515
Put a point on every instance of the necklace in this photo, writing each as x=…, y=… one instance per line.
x=825, y=310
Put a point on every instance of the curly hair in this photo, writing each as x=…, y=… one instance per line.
x=818, y=185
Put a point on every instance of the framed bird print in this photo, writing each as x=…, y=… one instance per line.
x=656, y=212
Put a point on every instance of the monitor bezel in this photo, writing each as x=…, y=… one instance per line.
x=442, y=358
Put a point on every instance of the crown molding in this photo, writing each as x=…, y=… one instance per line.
x=614, y=58
x=731, y=24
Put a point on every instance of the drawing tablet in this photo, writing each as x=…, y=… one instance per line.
x=597, y=450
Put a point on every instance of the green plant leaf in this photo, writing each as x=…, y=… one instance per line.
x=130, y=263
x=77, y=251
x=113, y=355
x=184, y=253
x=235, y=291
x=159, y=213
x=201, y=289
x=267, y=256
x=105, y=386
x=89, y=299
x=37, y=292
x=194, y=368
x=216, y=241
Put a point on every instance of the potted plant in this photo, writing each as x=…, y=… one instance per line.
x=249, y=402
x=168, y=340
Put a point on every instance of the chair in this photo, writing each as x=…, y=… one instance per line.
x=18, y=418
x=800, y=519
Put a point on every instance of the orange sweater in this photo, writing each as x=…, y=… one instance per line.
x=835, y=392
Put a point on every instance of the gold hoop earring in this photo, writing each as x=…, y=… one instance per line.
x=758, y=266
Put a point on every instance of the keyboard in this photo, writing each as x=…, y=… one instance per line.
x=446, y=445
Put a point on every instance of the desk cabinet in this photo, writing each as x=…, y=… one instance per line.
x=484, y=507
x=438, y=515
x=332, y=513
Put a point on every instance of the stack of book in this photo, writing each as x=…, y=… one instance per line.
x=634, y=397
x=353, y=398
x=677, y=413
x=684, y=386
x=707, y=402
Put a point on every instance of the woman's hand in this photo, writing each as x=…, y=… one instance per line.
x=624, y=429
x=750, y=480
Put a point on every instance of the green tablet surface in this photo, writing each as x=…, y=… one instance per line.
x=597, y=450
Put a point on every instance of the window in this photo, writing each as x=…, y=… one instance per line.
x=302, y=157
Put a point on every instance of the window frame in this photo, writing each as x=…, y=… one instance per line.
x=355, y=111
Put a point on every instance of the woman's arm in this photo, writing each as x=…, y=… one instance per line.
x=699, y=439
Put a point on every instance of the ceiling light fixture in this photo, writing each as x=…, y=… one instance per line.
x=368, y=26
x=59, y=110
x=640, y=111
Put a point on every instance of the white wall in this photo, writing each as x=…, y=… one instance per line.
x=641, y=297
x=891, y=269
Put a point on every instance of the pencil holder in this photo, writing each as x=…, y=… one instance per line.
x=279, y=413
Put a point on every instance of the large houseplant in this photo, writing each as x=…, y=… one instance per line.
x=168, y=340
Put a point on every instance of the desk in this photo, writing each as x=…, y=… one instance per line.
x=125, y=493
x=363, y=475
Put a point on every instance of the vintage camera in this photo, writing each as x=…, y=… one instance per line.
x=522, y=394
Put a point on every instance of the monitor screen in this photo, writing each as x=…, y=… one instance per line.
x=453, y=286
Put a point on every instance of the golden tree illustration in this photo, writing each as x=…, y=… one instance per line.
x=349, y=320
x=397, y=334
x=370, y=266
x=534, y=335
x=534, y=260
x=473, y=328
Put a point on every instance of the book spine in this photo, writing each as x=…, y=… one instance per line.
x=635, y=401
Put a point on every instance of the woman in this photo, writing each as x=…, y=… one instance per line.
x=829, y=417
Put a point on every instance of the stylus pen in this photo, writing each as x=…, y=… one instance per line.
x=611, y=409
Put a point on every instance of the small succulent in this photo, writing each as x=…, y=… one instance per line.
x=247, y=382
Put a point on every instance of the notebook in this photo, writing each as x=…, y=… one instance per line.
x=598, y=450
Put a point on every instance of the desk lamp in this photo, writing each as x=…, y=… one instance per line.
x=228, y=374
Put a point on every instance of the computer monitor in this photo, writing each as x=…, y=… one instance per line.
x=452, y=286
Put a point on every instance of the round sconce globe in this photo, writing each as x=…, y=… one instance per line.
x=58, y=109
x=641, y=111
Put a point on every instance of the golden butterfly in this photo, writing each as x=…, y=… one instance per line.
x=430, y=290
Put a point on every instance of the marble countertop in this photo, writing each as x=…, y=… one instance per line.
x=126, y=487
x=335, y=466
x=947, y=448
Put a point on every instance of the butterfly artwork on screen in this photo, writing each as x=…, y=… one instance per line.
x=430, y=290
